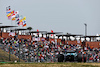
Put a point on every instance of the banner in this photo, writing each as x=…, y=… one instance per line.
x=11, y=34
x=36, y=39
x=78, y=41
x=42, y=39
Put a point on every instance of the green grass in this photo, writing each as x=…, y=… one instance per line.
x=50, y=65
x=4, y=57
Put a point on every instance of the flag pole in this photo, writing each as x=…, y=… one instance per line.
x=11, y=25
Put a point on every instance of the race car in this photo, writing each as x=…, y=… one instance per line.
x=71, y=56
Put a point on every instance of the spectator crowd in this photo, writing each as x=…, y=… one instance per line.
x=44, y=50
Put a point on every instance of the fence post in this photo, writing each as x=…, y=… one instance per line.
x=19, y=51
x=29, y=52
x=9, y=53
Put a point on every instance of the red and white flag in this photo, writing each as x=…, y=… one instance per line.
x=37, y=31
x=51, y=32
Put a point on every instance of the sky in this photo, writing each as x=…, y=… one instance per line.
x=67, y=16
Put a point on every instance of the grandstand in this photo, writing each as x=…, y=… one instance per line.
x=46, y=48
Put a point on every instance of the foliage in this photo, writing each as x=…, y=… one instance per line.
x=4, y=57
x=29, y=28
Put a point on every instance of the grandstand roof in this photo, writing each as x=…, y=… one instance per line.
x=91, y=36
x=38, y=32
x=19, y=29
x=7, y=26
x=67, y=35
x=53, y=32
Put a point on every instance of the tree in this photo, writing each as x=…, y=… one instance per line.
x=29, y=28
x=68, y=33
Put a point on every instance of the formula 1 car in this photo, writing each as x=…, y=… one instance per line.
x=71, y=56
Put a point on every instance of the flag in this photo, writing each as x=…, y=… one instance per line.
x=17, y=16
x=8, y=8
x=17, y=12
x=24, y=22
x=9, y=14
x=13, y=15
x=12, y=12
x=9, y=11
x=9, y=17
x=17, y=19
x=20, y=23
x=24, y=18
x=14, y=18
x=37, y=31
x=21, y=20
x=24, y=25
x=51, y=32
x=20, y=17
